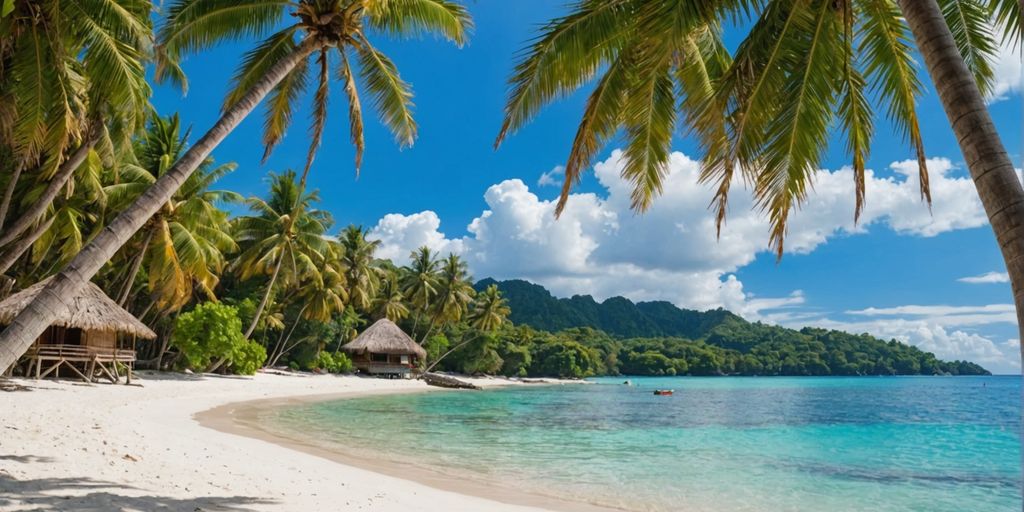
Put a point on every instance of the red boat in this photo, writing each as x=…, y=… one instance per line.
x=663, y=392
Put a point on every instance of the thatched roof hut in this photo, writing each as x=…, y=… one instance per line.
x=384, y=349
x=384, y=337
x=89, y=310
x=83, y=337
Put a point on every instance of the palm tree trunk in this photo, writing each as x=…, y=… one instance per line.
x=266, y=297
x=38, y=208
x=30, y=323
x=991, y=169
x=283, y=347
x=136, y=265
x=11, y=255
x=453, y=349
x=283, y=340
x=8, y=194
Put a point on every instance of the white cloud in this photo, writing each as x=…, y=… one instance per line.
x=400, y=234
x=1008, y=72
x=600, y=247
x=989, y=277
x=552, y=178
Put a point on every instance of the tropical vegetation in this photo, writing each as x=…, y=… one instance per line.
x=97, y=186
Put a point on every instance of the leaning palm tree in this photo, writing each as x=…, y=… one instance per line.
x=805, y=67
x=320, y=298
x=184, y=243
x=323, y=30
x=286, y=233
x=488, y=312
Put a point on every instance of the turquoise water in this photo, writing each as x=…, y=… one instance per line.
x=719, y=444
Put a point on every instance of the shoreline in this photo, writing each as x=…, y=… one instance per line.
x=68, y=445
x=242, y=419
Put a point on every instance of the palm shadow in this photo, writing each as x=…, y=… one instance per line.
x=89, y=495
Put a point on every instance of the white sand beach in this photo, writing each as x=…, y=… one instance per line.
x=70, y=446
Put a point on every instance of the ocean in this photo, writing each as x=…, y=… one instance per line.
x=719, y=444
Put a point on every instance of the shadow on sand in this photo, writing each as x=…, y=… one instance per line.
x=88, y=495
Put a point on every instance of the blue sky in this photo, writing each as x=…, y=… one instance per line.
x=438, y=192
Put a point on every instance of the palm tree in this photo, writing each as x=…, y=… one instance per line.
x=805, y=67
x=419, y=282
x=322, y=296
x=390, y=303
x=71, y=76
x=360, y=272
x=278, y=66
x=488, y=313
x=287, y=233
x=184, y=243
x=489, y=310
x=454, y=293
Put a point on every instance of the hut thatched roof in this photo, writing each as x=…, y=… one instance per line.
x=90, y=309
x=384, y=337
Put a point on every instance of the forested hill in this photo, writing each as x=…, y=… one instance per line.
x=657, y=338
x=534, y=305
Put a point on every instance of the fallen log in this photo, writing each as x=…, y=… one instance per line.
x=444, y=381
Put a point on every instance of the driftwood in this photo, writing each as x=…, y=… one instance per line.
x=444, y=381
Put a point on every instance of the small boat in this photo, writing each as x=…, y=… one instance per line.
x=664, y=392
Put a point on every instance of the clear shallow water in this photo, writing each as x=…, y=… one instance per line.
x=719, y=444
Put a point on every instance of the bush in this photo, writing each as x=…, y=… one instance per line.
x=326, y=362
x=212, y=331
x=248, y=357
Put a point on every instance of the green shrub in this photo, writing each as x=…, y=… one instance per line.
x=293, y=366
x=212, y=331
x=331, y=363
x=248, y=357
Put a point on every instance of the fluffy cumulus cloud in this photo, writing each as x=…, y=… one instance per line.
x=600, y=247
x=400, y=234
x=986, y=278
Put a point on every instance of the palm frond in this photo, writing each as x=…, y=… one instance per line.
x=649, y=118
x=889, y=68
x=319, y=113
x=391, y=96
x=798, y=132
x=971, y=25
x=416, y=17
x=568, y=52
x=280, y=104
x=601, y=120
x=194, y=25
x=355, y=108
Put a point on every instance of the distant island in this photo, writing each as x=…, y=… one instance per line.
x=579, y=337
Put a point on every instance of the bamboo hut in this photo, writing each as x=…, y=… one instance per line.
x=384, y=349
x=92, y=337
